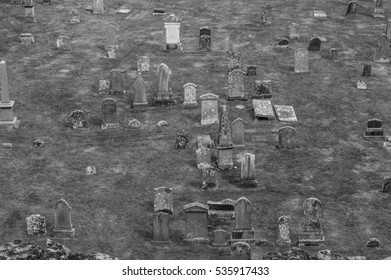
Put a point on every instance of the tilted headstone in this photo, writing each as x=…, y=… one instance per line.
x=221, y=238
x=111, y=38
x=160, y=228
x=205, y=39
x=190, y=96
x=262, y=89
x=204, y=157
x=210, y=179
x=241, y=251
x=64, y=43
x=247, y=174
x=140, y=91
x=334, y=54
x=97, y=7
x=374, y=129
x=387, y=185
x=352, y=8
x=209, y=109
x=62, y=220
x=109, y=114
x=235, y=60
x=285, y=113
x=164, y=200
x=382, y=54
x=378, y=11
x=236, y=85
x=238, y=129
x=224, y=208
x=314, y=45
x=29, y=13
x=182, y=139
x=7, y=117
x=143, y=64
x=196, y=225
x=74, y=16
x=294, y=31
x=36, y=225
x=301, y=61
x=388, y=29
x=78, y=119
x=164, y=94
x=26, y=38
x=312, y=232
x=366, y=72
x=243, y=229
x=284, y=231
x=172, y=32
x=251, y=70
x=117, y=81
x=263, y=109
x=266, y=14
x=224, y=141
x=286, y=138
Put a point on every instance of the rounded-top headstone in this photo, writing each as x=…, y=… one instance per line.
x=312, y=207
x=163, y=201
x=241, y=251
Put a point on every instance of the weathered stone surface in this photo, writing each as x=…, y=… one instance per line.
x=351, y=9
x=251, y=70
x=97, y=7
x=224, y=136
x=64, y=43
x=172, y=32
x=205, y=39
x=378, y=11
x=38, y=143
x=209, y=109
x=134, y=123
x=247, y=174
x=140, y=91
x=143, y=63
x=90, y=170
x=111, y=38
x=235, y=60
x=164, y=201
x=161, y=228
x=314, y=45
x=204, y=157
x=221, y=238
x=266, y=14
x=243, y=229
x=164, y=95
x=240, y=251
x=162, y=123
x=333, y=54
x=374, y=129
x=361, y=84
x=236, y=85
x=109, y=113
x=78, y=119
x=190, y=95
x=301, y=61
x=262, y=89
x=205, y=140
x=104, y=86
x=312, y=232
x=26, y=39
x=373, y=242
x=263, y=109
x=366, y=70
x=117, y=81
x=327, y=254
x=286, y=138
x=62, y=220
x=196, y=226
x=285, y=113
x=36, y=225
x=223, y=208
x=284, y=231
x=382, y=54
x=238, y=129
x=210, y=179
x=74, y=16
x=294, y=31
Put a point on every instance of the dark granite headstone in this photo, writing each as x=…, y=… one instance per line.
x=366, y=70
x=314, y=45
x=387, y=185
x=374, y=129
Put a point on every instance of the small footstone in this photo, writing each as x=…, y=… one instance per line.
x=134, y=123
x=240, y=107
x=38, y=143
x=373, y=242
x=90, y=170
x=7, y=145
x=162, y=123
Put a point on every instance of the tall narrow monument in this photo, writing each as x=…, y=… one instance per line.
x=7, y=117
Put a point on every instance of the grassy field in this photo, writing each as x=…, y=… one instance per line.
x=112, y=210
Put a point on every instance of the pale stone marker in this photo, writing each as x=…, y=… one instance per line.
x=160, y=228
x=29, y=13
x=109, y=114
x=78, y=119
x=312, y=233
x=263, y=109
x=209, y=109
x=388, y=29
x=62, y=220
x=221, y=238
x=204, y=157
x=286, y=138
x=112, y=52
x=285, y=113
x=240, y=251
x=143, y=64
x=238, y=129
x=7, y=117
x=74, y=16
x=361, y=84
x=196, y=226
x=190, y=96
x=64, y=43
x=205, y=39
x=164, y=94
x=266, y=14
x=111, y=38
x=140, y=91
x=382, y=54
x=104, y=86
x=284, y=231
x=90, y=170
x=374, y=129
x=236, y=85
x=117, y=81
x=164, y=201
x=97, y=7
x=247, y=174
x=333, y=54
x=36, y=225
x=378, y=11
x=262, y=89
x=210, y=179
x=235, y=60
x=26, y=39
x=243, y=229
x=294, y=31
x=320, y=14
x=205, y=140
x=301, y=60
x=224, y=143
x=172, y=32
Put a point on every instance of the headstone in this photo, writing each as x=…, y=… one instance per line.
x=62, y=220
x=97, y=7
x=7, y=117
x=205, y=40
x=286, y=138
x=366, y=70
x=124, y=11
x=240, y=251
x=196, y=226
x=388, y=29
x=284, y=43
x=158, y=12
x=236, y=85
x=209, y=109
x=26, y=38
x=78, y=119
x=205, y=140
x=162, y=123
x=221, y=238
x=134, y=123
x=143, y=64
x=190, y=96
x=238, y=129
x=262, y=89
x=361, y=84
x=301, y=61
x=36, y=225
x=312, y=232
x=140, y=91
x=172, y=33
x=285, y=113
x=266, y=14
x=294, y=31
x=387, y=185
x=182, y=139
x=112, y=52
x=379, y=11
x=90, y=170
x=164, y=201
x=334, y=54
x=164, y=94
x=111, y=38
x=247, y=174
x=373, y=242
x=263, y=109
x=117, y=81
x=64, y=43
x=74, y=16
x=251, y=70
x=104, y=86
x=352, y=8
x=320, y=14
x=224, y=208
x=284, y=231
x=374, y=129
x=109, y=111
x=38, y=143
x=210, y=179
x=160, y=228
x=382, y=54
x=204, y=157
x=235, y=60
x=243, y=229
x=29, y=13
x=314, y=45
x=224, y=142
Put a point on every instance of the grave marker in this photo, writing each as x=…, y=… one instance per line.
x=143, y=64
x=62, y=220
x=301, y=61
x=210, y=179
x=382, y=54
x=64, y=43
x=388, y=29
x=238, y=129
x=97, y=7
x=190, y=96
x=104, y=86
x=284, y=231
x=285, y=113
x=352, y=8
x=262, y=89
x=251, y=70
x=140, y=91
x=286, y=138
x=74, y=16
x=374, y=129
x=78, y=119
x=182, y=139
x=247, y=174
x=204, y=157
x=314, y=45
x=361, y=84
x=378, y=11
x=387, y=185
x=240, y=251
x=164, y=94
x=196, y=226
x=224, y=143
x=209, y=109
x=7, y=117
x=334, y=54
x=164, y=201
x=26, y=39
x=205, y=140
x=36, y=225
x=224, y=208
x=235, y=60
x=312, y=233
x=320, y=14
x=172, y=33
x=205, y=39
x=221, y=238
x=109, y=114
x=111, y=38
x=160, y=228
x=266, y=14
x=294, y=31
x=243, y=229
x=236, y=85
x=117, y=81
x=263, y=109
x=29, y=13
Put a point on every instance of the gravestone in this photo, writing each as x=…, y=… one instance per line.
x=164, y=201
x=210, y=179
x=104, y=86
x=240, y=251
x=112, y=52
x=221, y=238
x=140, y=91
x=36, y=225
x=209, y=109
x=238, y=129
x=294, y=31
x=235, y=60
x=158, y=12
x=247, y=174
x=111, y=38
x=90, y=170
x=7, y=117
x=160, y=228
x=204, y=157
x=97, y=7
x=224, y=142
x=172, y=33
x=29, y=13
x=62, y=220
x=352, y=8
x=49, y=2
x=382, y=54
x=366, y=70
x=284, y=231
x=320, y=14
x=266, y=14
x=164, y=94
x=314, y=45
x=243, y=229
x=224, y=208
x=190, y=96
x=205, y=39
x=263, y=109
x=301, y=61
x=286, y=138
x=378, y=11
x=196, y=226
x=262, y=89
x=78, y=119
x=109, y=114
x=117, y=81
x=285, y=113
x=361, y=84
x=387, y=185
x=284, y=43
x=26, y=38
x=334, y=54
x=388, y=29
x=312, y=232
x=64, y=43
x=182, y=139
x=74, y=16
x=251, y=70
x=236, y=85
x=374, y=129
x=143, y=64
x=205, y=140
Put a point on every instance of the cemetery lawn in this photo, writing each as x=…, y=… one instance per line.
x=112, y=210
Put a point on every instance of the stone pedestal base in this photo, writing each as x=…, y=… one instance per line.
x=243, y=235
x=136, y=104
x=64, y=233
x=109, y=125
x=237, y=98
x=163, y=99
x=248, y=184
x=311, y=239
x=190, y=105
x=382, y=60
x=374, y=133
x=224, y=160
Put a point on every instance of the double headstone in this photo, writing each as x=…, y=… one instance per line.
x=190, y=95
x=312, y=231
x=7, y=117
x=224, y=143
x=62, y=220
x=140, y=91
x=301, y=60
x=247, y=174
x=243, y=229
x=236, y=85
x=109, y=114
x=209, y=109
x=205, y=40
x=196, y=225
x=374, y=129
